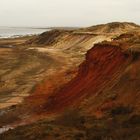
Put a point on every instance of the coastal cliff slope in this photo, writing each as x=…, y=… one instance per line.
x=100, y=100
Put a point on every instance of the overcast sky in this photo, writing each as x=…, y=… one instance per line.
x=67, y=12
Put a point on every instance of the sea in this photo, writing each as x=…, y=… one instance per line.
x=7, y=32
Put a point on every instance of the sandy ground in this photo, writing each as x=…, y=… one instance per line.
x=20, y=71
x=22, y=67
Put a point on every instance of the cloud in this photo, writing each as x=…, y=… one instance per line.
x=67, y=12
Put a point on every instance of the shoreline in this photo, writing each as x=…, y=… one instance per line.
x=18, y=36
x=17, y=32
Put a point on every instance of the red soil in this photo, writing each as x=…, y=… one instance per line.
x=104, y=63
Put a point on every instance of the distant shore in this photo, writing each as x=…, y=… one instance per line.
x=15, y=32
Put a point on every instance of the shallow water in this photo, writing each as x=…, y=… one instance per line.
x=6, y=32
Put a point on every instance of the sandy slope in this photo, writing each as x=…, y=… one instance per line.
x=105, y=89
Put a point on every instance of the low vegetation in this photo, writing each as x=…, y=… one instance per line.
x=73, y=125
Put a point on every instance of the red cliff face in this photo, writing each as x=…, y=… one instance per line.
x=104, y=64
